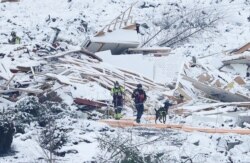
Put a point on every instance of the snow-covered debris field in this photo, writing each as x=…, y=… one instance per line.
x=203, y=76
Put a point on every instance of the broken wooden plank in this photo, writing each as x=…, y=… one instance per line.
x=240, y=60
x=60, y=54
x=6, y=91
x=60, y=78
x=28, y=90
x=102, y=83
x=239, y=80
x=23, y=69
x=130, y=123
x=7, y=84
x=83, y=51
x=151, y=50
x=221, y=94
x=90, y=54
x=198, y=108
x=3, y=100
x=159, y=54
x=48, y=91
x=88, y=102
x=216, y=130
x=241, y=49
x=5, y=73
x=10, y=1
x=33, y=72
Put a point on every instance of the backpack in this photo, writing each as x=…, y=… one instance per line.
x=141, y=97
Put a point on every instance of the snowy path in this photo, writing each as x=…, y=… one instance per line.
x=130, y=123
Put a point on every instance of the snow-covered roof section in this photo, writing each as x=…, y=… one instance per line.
x=122, y=36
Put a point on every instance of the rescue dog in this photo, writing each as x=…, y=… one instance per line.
x=161, y=114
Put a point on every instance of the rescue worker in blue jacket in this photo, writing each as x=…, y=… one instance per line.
x=117, y=92
x=139, y=97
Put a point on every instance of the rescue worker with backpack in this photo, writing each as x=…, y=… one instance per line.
x=15, y=39
x=117, y=92
x=139, y=97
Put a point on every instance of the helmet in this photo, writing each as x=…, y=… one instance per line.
x=139, y=86
x=13, y=33
x=116, y=84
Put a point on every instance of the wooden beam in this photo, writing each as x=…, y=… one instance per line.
x=7, y=84
x=34, y=91
x=221, y=94
x=90, y=54
x=130, y=123
x=91, y=103
x=242, y=49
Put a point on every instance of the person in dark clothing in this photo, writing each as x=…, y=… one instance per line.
x=139, y=97
x=137, y=28
x=15, y=39
x=117, y=92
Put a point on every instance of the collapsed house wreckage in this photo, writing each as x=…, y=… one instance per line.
x=208, y=88
x=217, y=83
x=78, y=66
x=120, y=36
x=43, y=73
x=117, y=36
x=207, y=92
x=67, y=68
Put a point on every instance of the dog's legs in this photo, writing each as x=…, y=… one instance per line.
x=164, y=116
x=156, y=116
x=160, y=119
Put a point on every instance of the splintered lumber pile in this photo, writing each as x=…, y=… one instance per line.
x=70, y=68
x=221, y=94
x=129, y=123
x=211, y=83
x=82, y=69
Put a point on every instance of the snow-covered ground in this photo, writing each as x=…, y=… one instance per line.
x=78, y=19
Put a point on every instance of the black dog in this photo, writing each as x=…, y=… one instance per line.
x=161, y=114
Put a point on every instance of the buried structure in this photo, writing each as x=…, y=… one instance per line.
x=117, y=36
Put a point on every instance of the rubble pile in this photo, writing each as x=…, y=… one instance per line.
x=37, y=75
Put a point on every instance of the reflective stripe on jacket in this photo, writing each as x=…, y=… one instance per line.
x=117, y=91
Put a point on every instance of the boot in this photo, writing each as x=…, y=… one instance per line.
x=119, y=115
